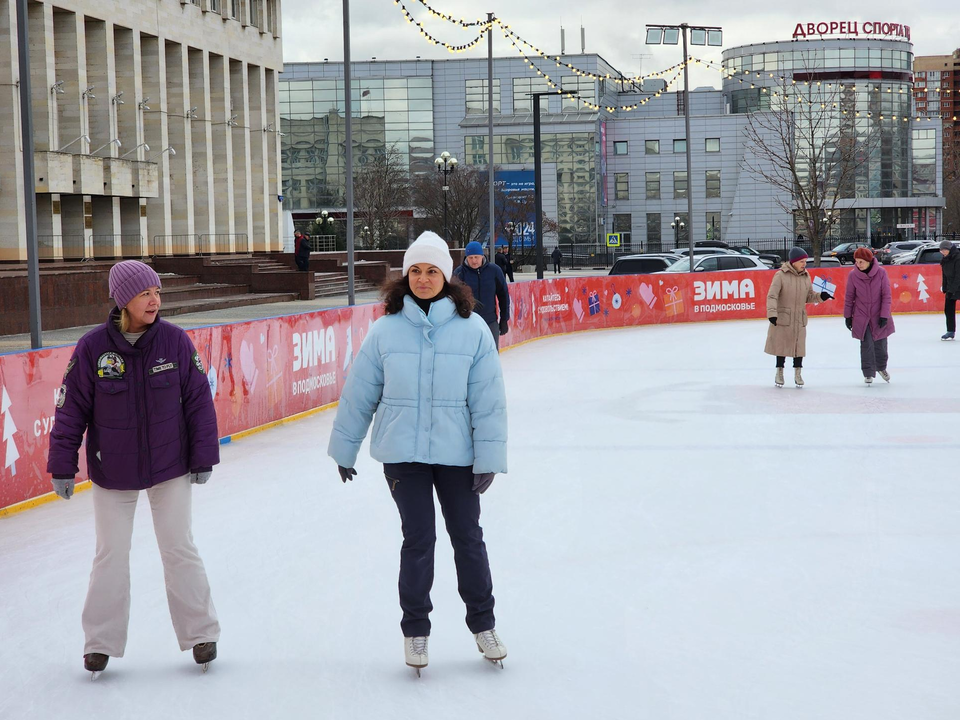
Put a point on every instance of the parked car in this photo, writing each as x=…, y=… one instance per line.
x=710, y=244
x=929, y=255
x=718, y=262
x=703, y=251
x=844, y=253
x=771, y=259
x=886, y=254
x=642, y=264
x=824, y=262
x=925, y=254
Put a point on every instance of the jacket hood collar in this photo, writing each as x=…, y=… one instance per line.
x=113, y=331
x=441, y=311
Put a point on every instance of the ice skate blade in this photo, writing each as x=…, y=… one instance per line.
x=94, y=675
x=204, y=667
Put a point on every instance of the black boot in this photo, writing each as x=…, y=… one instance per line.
x=205, y=652
x=95, y=662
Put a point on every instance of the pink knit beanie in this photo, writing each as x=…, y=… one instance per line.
x=130, y=278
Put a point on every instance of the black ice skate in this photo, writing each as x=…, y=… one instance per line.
x=204, y=654
x=95, y=663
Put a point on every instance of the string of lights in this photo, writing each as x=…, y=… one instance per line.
x=408, y=16
x=433, y=12
x=636, y=81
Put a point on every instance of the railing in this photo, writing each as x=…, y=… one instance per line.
x=72, y=247
x=178, y=245
x=322, y=243
x=105, y=246
x=596, y=255
x=224, y=243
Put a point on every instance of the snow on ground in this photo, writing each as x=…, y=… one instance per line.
x=677, y=539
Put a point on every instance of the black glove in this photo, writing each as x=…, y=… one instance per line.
x=346, y=473
x=848, y=322
x=883, y=322
x=773, y=320
x=504, y=327
x=824, y=296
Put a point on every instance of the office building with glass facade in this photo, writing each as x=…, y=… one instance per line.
x=621, y=171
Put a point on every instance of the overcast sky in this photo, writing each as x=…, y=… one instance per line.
x=313, y=30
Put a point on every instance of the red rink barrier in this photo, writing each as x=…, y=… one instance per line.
x=266, y=370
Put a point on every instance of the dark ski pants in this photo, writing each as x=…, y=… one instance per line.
x=797, y=362
x=556, y=267
x=412, y=485
x=495, y=329
x=950, y=310
x=873, y=354
x=303, y=263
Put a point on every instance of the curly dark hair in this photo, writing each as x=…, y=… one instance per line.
x=395, y=290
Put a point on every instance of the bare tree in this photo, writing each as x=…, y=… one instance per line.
x=810, y=146
x=381, y=195
x=951, y=186
x=466, y=201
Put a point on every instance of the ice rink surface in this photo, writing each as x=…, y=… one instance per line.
x=677, y=539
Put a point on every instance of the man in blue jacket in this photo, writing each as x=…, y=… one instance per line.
x=489, y=288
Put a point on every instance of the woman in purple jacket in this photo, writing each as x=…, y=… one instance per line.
x=137, y=387
x=866, y=310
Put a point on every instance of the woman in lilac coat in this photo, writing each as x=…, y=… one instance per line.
x=138, y=390
x=867, y=313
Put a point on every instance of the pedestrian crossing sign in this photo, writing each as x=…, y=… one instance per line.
x=613, y=239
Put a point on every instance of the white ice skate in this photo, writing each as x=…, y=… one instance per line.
x=868, y=380
x=778, y=379
x=415, y=652
x=797, y=377
x=489, y=644
x=885, y=375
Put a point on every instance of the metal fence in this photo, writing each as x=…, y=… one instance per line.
x=584, y=256
x=175, y=245
x=223, y=244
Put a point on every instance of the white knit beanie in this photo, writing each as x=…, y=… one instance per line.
x=429, y=248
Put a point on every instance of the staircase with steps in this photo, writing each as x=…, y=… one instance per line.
x=330, y=284
x=185, y=294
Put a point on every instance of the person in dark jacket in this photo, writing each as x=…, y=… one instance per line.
x=866, y=310
x=557, y=256
x=138, y=389
x=302, y=251
x=950, y=286
x=504, y=263
x=489, y=288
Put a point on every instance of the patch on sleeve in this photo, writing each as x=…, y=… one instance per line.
x=198, y=363
x=62, y=394
x=73, y=361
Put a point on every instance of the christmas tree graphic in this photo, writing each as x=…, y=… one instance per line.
x=922, y=288
x=9, y=428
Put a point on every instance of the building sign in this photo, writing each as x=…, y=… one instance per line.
x=805, y=30
x=515, y=202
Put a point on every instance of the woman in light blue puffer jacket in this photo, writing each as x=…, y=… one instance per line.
x=430, y=371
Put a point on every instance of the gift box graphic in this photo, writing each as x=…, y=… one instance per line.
x=673, y=303
x=593, y=302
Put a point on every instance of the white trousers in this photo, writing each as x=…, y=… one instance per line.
x=106, y=612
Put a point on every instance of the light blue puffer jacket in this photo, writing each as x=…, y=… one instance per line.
x=436, y=386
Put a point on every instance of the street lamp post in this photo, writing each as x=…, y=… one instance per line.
x=446, y=164
x=699, y=35
x=323, y=220
x=677, y=226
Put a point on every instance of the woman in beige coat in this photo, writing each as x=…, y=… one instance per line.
x=787, y=299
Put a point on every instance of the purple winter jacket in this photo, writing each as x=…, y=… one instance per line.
x=867, y=300
x=147, y=409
